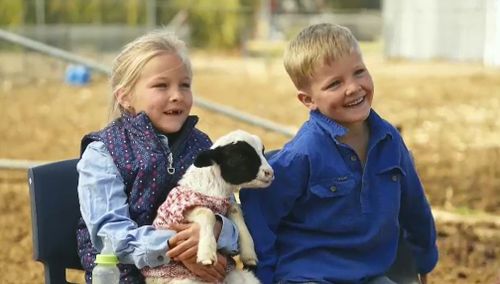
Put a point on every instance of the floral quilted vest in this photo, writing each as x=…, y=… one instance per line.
x=149, y=169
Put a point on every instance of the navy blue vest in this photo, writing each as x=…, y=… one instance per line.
x=149, y=169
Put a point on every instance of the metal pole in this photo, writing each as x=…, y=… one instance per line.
x=6, y=164
x=248, y=118
x=55, y=52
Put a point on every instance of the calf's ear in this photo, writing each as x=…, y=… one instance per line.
x=206, y=158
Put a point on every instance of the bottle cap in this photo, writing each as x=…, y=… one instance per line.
x=106, y=259
x=106, y=256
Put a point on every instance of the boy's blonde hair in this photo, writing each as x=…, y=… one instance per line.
x=128, y=65
x=320, y=43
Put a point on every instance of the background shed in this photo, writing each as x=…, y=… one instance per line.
x=462, y=30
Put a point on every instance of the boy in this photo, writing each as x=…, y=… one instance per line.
x=344, y=184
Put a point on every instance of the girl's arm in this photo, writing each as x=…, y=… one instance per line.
x=105, y=210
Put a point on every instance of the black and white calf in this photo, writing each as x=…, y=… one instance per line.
x=234, y=161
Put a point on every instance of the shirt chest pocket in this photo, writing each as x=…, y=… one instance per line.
x=392, y=174
x=388, y=191
x=334, y=187
x=336, y=195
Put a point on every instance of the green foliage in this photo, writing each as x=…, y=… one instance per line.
x=11, y=12
x=94, y=12
x=134, y=12
x=216, y=24
x=213, y=23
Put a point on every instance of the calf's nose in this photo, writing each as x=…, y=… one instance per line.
x=268, y=173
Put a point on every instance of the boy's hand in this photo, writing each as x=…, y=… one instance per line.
x=423, y=278
x=209, y=273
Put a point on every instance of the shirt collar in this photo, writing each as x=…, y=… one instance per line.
x=139, y=124
x=378, y=127
x=329, y=125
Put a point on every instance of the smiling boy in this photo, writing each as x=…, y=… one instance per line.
x=344, y=185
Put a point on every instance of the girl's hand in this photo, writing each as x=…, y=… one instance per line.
x=423, y=278
x=184, y=244
x=209, y=273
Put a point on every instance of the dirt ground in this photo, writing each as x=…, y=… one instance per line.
x=448, y=112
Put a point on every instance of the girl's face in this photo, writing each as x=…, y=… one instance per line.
x=341, y=90
x=163, y=92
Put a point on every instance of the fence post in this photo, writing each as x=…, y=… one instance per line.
x=151, y=13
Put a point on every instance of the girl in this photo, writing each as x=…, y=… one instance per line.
x=128, y=168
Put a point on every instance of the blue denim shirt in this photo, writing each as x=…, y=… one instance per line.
x=103, y=200
x=327, y=218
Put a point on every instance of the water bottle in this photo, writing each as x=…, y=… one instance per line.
x=106, y=270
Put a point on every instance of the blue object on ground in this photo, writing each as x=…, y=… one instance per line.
x=77, y=75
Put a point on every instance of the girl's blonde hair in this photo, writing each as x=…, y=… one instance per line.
x=128, y=65
x=320, y=43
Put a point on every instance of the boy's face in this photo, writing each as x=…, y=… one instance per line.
x=341, y=90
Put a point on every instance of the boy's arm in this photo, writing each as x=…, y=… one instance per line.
x=263, y=209
x=416, y=217
x=227, y=235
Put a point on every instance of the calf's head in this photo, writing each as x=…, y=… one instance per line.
x=240, y=157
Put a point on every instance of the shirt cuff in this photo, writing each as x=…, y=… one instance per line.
x=427, y=260
x=154, y=252
x=228, y=237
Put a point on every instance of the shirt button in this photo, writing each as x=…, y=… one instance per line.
x=353, y=158
x=333, y=188
x=160, y=258
x=394, y=178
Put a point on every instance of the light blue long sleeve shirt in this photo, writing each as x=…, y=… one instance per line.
x=105, y=210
